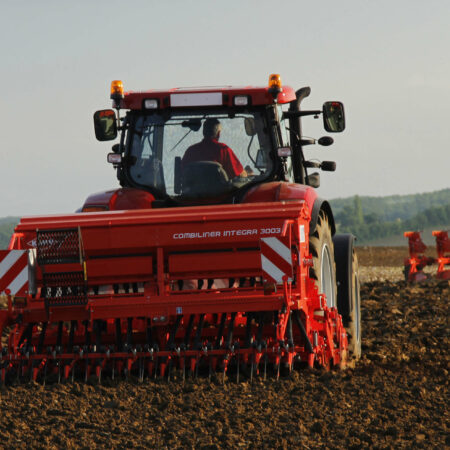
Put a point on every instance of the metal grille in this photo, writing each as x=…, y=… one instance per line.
x=58, y=246
x=64, y=289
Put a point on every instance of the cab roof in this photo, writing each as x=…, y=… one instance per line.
x=187, y=97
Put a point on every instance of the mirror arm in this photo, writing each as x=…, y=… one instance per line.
x=296, y=133
x=290, y=114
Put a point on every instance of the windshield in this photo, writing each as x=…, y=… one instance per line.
x=198, y=154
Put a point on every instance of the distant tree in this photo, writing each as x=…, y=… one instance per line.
x=6, y=230
x=357, y=207
x=371, y=218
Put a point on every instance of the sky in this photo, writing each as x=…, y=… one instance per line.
x=387, y=61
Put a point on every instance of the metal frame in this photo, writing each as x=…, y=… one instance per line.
x=145, y=320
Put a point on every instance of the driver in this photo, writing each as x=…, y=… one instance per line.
x=210, y=149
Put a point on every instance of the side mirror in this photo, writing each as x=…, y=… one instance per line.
x=333, y=117
x=250, y=128
x=105, y=125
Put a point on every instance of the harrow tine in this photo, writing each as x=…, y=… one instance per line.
x=171, y=342
x=248, y=330
x=73, y=324
x=129, y=332
x=87, y=334
x=18, y=372
x=119, y=335
x=32, y=371
x=150, y=368
x=278, y=359
x=150, y=346
x=209, y=368
x=197, y=343
x=238, y=363
x=72, y=377
x=169, y=368
x=26, y=335
x=266, y=356
x=66, y=371
x=148, y=333
x=197, y=360
x=141, y=370
x=86, y=371
x=223, y=318
x=45, y=373
x=156, y=360
x=223, y=374
x=59, y=336
x=230, y=330
x=98, y=334
x=187, y=335
x=260, y=327
x=184, y=363
x=198, y=336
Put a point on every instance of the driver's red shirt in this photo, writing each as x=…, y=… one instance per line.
x=213, y=150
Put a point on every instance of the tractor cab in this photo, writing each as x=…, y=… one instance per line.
x=208, y=145
x=171, y=156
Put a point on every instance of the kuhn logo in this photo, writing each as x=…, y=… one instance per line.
x=43, y=242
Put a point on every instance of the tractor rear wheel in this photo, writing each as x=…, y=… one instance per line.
x=349, y=301
x=322, y=251
x=352, y=323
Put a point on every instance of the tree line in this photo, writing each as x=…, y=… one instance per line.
x=371, y=225
x=393, y=207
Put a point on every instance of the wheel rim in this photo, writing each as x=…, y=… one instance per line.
x=326, y=276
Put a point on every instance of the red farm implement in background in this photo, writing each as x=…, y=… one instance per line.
x=221, y=262
x=417, y=260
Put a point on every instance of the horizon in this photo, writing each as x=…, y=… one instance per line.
x=14, y=216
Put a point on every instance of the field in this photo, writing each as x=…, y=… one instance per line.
x=396, y=396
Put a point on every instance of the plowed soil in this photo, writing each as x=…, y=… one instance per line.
x=396, y=396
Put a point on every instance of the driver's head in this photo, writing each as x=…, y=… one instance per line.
x=212, y=128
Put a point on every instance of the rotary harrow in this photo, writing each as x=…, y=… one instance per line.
x=185, y=270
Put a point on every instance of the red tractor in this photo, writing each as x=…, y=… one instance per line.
x=215, y=254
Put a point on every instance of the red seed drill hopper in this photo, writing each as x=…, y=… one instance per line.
x=188, y=267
